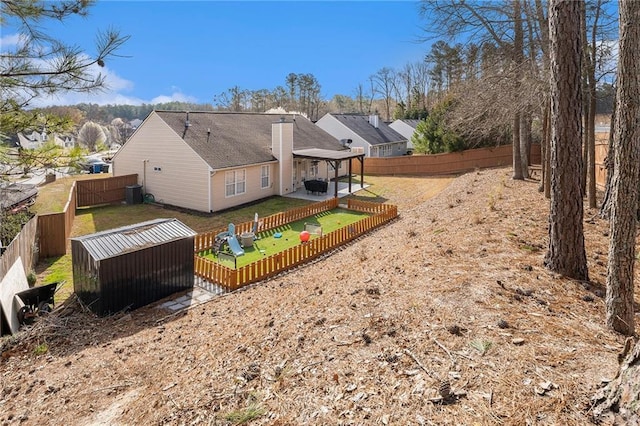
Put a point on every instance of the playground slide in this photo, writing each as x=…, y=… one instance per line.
x=234, y=245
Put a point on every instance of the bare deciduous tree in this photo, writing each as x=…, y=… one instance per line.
x=384, y=82
x=91, y=135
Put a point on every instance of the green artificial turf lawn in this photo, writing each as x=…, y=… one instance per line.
x=267, y=244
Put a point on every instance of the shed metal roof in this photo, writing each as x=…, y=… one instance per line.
x=114, y=242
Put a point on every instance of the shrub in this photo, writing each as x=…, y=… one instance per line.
x=433, y=136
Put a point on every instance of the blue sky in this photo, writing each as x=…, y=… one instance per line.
x=193, y=50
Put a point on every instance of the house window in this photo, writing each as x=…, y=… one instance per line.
x=265, y=174
x=385, y=150
x=235, y=182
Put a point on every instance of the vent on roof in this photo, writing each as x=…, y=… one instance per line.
x=374, y=120
x=187, y=123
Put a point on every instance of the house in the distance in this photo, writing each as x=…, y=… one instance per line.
x=34, y=140
x=406, y=127
x=211, y=161
x=364, y=134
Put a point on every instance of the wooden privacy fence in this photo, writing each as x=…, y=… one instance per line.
x=103, y=191
x=22, y=246
x=444, y=164
x=233, y=279
x=601, y=169
x=205, y=240
x=55, y=228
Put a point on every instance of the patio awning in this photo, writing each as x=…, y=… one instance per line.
x=333, y=157
x=325, y=154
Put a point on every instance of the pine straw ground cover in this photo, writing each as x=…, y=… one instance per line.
x=453, y=291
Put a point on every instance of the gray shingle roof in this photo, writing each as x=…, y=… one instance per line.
x=411, y=122
x=360, y=125
x=12, y=194
x=114, y=242
x=239, y=139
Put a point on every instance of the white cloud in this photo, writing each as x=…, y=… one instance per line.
x=115, y=91
x=11, y=40
x=107, y=97
x=174, y=97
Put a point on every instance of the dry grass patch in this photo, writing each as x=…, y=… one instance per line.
x=368, y=335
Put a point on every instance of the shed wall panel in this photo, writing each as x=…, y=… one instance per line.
x=132, y=279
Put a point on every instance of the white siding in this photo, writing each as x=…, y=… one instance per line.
x=253, y=185
x=166, y=166
x=405, y=130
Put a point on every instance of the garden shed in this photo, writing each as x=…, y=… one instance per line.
x=132, y=266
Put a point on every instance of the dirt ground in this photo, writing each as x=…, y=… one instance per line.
x=445, y=316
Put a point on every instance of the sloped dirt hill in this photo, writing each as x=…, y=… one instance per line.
x=449, y=300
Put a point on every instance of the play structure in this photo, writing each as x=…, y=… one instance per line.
x=229, y=240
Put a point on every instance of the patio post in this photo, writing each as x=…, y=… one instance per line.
x=350, y=174
x=335, y=166
x=361, y=158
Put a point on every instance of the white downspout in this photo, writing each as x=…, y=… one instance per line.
x=144, y=175
x=211, y=173
x=280, y=160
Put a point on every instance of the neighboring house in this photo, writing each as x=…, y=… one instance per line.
x=406, y=127
x=32, y=140
x=35, y=140
x=364, y=134
x=135, y=123
x=65, y=141
x=211, y=161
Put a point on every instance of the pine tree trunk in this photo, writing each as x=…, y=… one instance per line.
x=543, y=149
x=525, y=142
x=591, y=119
x=547, y=156
x=517, y=159
x=605, y=208
x=566, y=254
x=619, y=402
x=626, y=175
x=591, y=146
x=518, y=59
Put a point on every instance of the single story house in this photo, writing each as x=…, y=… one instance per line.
x=364, y=134
x=211, y=161
x=406, y=127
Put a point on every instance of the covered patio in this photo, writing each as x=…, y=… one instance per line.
x=335, y=188
x=343, y=191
